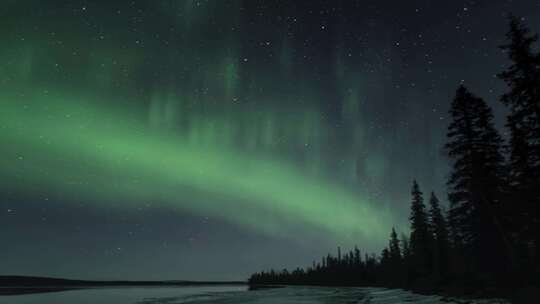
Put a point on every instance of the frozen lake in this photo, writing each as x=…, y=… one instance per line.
x=228, y=295
x=211, y=294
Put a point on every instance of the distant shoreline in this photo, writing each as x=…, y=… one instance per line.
x=14, y=285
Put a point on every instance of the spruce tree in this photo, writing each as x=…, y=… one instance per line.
x=395, y=250
x=420, y=242
x=396, y=261
x=406, y=256
x=357, y=258
x=476, y=181
x=405, y=248
x=385, y=272
x=439, y=231
x=523, y=122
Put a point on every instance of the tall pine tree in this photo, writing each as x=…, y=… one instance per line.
x=439, y=231
x=406, y=257
x=396, y=259
x=476, y=181
x=420, y=242
x=523, y=122
x=393, y=246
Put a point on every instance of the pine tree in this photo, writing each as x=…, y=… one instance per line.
x=420, y=243
x=395, y=250
x=406, y=255
x=523, y=122
x=385, y=272
x=405, y=247
x=476, y=180
x=395, y=262
x=357, y=258
x=439, y=231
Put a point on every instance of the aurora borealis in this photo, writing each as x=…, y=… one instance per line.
x=84, y=151
x=210, y=139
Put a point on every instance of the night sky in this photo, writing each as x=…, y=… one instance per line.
x=207, y=140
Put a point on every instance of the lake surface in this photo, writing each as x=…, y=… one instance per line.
x=235, y=295
x=194, y=295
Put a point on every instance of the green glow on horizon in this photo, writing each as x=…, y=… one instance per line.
x=115, y=159
x=184, y=115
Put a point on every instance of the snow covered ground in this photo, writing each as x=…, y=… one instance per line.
x=392, y=296
x=235, y=295
x=322, y=295
x=287, y=295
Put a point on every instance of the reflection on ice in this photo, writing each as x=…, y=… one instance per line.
x=317, y=295
x=286, y=295
x=235, y=295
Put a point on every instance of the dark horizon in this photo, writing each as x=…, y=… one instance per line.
x=15, y=280
x=24, y=285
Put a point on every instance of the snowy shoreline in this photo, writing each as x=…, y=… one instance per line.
x=388, y=296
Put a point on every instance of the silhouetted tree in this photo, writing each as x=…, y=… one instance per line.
x=395, y=262
x=420, y=242
x=395, y=250
x=439, y=231
x=476, y=180
x=385, y=271
x=469, y=239
x=523, y=122
x=357, y=258
x=406, y=256
x=349, y=270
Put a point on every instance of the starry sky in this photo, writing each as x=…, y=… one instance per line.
x=205, y=140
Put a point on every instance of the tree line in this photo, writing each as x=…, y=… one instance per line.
x=490, y=235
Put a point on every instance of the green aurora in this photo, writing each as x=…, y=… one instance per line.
x=188, y=114
x=84, y=150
